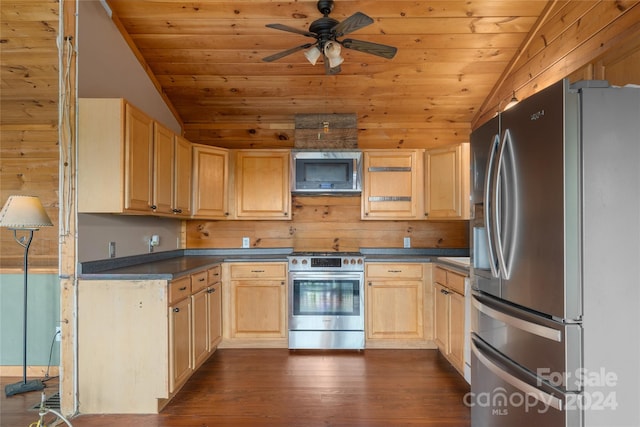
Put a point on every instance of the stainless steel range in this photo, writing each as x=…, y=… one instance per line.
x=326, y=300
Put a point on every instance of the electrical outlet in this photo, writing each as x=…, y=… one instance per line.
x=58, y=333
x=112, y=249
x=407, y=242
x=246, y=242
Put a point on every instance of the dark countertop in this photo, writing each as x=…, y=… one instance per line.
x=173, y=264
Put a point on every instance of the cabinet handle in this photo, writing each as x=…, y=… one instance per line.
x=154, y=207
x=226, y=214
x=394, y=271
x=177, y=210
x=282, y=283
x=210, y=291
x=176, y=310
x=257, y=271
x=369, y=283
x=184, y=288
x=201, y=280
x=285, y=214
x=444, y=291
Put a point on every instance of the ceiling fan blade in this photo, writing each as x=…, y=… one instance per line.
x=354, y=22
x=291, y=30
x=287, y=52
x=369, y=47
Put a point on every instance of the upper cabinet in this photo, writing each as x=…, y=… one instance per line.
x=210, y=182
x=446, y=182
x=262, y=189
x=390, y=184
x=127, y=163
x=115, y=157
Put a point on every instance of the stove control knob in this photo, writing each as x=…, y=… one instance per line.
x=304, y=261
x=359, y=261
x=294, y=261
x=353, y=261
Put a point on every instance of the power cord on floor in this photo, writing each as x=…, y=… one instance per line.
x=44, y=410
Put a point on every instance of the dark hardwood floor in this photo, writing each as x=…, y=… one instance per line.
x=245, y=387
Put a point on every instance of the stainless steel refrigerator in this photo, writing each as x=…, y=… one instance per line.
x=556, y=260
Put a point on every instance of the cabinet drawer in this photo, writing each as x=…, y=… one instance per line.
x=215, y=275
x=449, y=279
x=179, y=289
x=258, y=271
x=404, y=271
x=198, y=281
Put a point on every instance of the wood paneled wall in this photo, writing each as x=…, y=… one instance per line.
x=29, y=121
x=568, y=37
x=322, y=223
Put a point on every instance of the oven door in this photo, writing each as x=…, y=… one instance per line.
x=326, y=301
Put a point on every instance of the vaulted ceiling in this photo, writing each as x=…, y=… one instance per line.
x=206, y=57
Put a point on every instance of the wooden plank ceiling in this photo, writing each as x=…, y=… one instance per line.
x=207, y=58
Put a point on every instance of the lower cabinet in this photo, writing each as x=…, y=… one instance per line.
x=140, y=340
x=449, y=315
x=398, y=305
x=255, y=309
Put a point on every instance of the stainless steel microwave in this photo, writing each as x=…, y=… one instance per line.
x=321, y=172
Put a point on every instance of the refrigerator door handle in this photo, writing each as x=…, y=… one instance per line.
x=505, y=164
x=489, y=209
x=533, y=328
x=525, y=388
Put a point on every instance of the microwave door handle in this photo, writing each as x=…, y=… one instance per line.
x=489, y=209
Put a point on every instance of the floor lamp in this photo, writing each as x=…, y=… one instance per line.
x=24, y=213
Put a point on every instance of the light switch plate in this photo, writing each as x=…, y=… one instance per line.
x=407, y=242
x=246, y=242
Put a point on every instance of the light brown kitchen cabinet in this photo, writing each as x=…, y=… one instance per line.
x=210, y=182
x=449, y=315
x=391, y=188
x=446, y=182
x=115, y=157
x=262, y=189
x=214, y=306
x=255, y=309
x=163, y=170
x=180, y=339
x=398, y=305
x=200, y=322
x=182, y=177
x=127, y=163
x=124, y=326
x=171, y=173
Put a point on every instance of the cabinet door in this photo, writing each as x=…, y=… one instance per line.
x=210, y=182
x=138, y=160
x=180, y=365
x=390, y=184
x=456, y=330
x=447, y=183
x=215, y=315
x=395, y=309
x=200, y=327
x=441, y=317
x=182, y=177
x=262, y=188
x=162, y=169
x=258, y=309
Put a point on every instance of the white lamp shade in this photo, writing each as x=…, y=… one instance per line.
x=24, y=212
x=312, y=54
x=332, y=51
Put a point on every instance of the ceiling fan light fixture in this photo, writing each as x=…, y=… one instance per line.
x=332, y=52
x=312, y=54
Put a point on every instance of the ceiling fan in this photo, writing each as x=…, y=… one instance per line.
x=326, y=31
